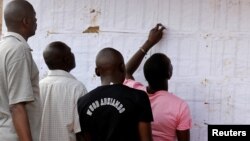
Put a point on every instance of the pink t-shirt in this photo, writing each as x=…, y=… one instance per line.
x=170, y=113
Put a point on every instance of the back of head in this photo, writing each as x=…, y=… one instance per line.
x=157, y=68
x=15, y=11
x=110, y=63
x=57, y=55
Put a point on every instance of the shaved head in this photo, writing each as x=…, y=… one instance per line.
x=15, y=11
x=108, y=57
x=110, y=63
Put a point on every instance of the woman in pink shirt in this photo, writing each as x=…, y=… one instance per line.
x=172, y=118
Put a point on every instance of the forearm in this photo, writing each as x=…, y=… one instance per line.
x=183, y=135
x=79, y=137
x=154, y=37
x=135, y=61
x=21, y=122
x=145, y=131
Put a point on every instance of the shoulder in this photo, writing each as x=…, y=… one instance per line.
x=177, y=98
x=89, y=94
x=169, y=95
x=163, y=96
x=132, y=90
x=78, y=84
x=85, y=99
x=69, y=81
x=137, y=94
x=134, y=84
x=14, y=44
x=179, y=101
x=14, y=50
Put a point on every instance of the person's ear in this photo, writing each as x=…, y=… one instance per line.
x=68, y=62
x=170, y=71
x=169, y=75
x=25, y=21
x=97, y=72
x=122, y=68
x=66, y=59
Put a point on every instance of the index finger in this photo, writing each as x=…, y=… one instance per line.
x=158, y=25
x=162, y=28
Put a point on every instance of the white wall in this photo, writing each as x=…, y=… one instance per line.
x=207, y=41
x=1, y=9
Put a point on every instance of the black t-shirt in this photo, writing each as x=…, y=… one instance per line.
x=112, y=113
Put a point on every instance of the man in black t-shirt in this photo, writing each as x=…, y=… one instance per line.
x=113, y=111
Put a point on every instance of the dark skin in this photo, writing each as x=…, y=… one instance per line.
x=160, y=84
x=111, y=68
x=154, y=37
x=58, y=56
x=20, y=18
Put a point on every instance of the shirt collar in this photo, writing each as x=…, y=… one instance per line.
x=18, y=37
x=60, y=73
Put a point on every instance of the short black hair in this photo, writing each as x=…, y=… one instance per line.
x=157, y=68
x=53, y=54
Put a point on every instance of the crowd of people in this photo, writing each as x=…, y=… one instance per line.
x=59, y=107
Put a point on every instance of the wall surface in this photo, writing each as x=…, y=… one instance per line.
x=207, y=41
x=1, y=11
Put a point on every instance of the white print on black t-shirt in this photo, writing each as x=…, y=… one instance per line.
x=103, y=102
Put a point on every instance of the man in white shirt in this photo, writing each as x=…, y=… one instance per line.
x=59, y=94
x=20, y=108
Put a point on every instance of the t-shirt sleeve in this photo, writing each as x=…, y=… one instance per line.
x=134, y=84
x=19, y=82
x=77, y=127
x=80, y=108
x=144, y=111
x=184, y=120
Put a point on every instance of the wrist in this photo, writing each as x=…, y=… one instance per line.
x=150, y=43
x=143, y=50
x=146, y=46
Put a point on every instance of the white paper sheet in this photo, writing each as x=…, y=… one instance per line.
x=207, y=41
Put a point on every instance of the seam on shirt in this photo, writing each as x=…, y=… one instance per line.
x=27, y=99
x=23, y=57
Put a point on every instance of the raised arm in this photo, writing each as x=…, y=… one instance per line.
x=154, y=37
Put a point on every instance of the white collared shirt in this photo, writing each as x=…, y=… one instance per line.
x=59, y=94
x=19, y=78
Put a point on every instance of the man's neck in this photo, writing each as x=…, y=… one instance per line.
x=20, y=33
x=160, y=87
